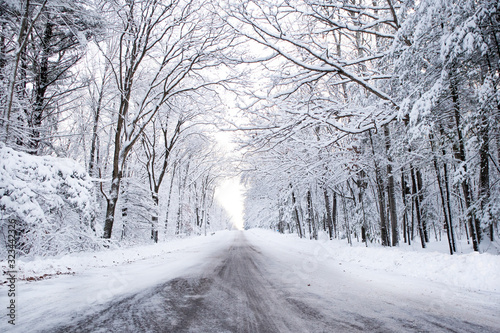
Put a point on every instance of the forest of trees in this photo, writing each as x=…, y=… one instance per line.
x=373, y=120
x=124, y=88
x=384, y=121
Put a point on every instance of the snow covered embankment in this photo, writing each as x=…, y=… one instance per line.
x=471, y=271
x=49, y=200
x=101, y=277
x=40, y=268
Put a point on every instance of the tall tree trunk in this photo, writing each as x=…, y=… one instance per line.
x=362, y=185
x=448, y=202
x=169, y=200
x=448, y=193
x=310, y=217
x=443, y=198
x=124, y=217
x=22, y=40
x=405, y=191
x=116, y=176
x=204, y=207
x=97, y=114
x=391, y=189
x=346, y=221
x=420, y=188
x=484, y=176
x=281, y=223
x=460, y=155
x=416, y=201
x=296, y=215
x=154, y=218
x=111, y=201
x=124, y=204
x=93, y=144
x=329, y=221
x=381, y=198
x=120, y=153
x=41, y=83
x=3, y=49
x=182, y=189
x=334, y=214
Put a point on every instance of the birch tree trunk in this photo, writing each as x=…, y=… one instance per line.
x=329, y=221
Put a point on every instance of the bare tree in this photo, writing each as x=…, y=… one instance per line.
x=162, y=50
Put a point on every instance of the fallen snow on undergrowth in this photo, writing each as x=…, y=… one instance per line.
x=472, y=271
x=38, y=268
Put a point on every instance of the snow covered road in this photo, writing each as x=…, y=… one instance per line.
x=255, y=281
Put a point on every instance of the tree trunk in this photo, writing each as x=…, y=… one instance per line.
x=460, y=155
x=405, y=191
x=111, y=205
x=308, y=214
x=124, y=216
x=420, y=191
x=154, y=218
x=381, y=198
x=484, y=176
x=416, y=201
x=22, y=40
x=118, y=159
x=362, y=185
x=310, y=217
x=334, y=214
x=281, y=224
x=329, y=221
x=93, y=144
x=169, y=200
x=182, y=188
x=179, y=206
x=448, y=194
x=443, y=200
x=391, y=189
x=296, y=215
x=41, y=83
x=97, y=114
x=346, y=221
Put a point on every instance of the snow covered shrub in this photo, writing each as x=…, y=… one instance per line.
x=50, y=199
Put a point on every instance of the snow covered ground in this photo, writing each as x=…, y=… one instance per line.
x=97, y=278
x=404, y=285
x=84, y=283
x=471, y=270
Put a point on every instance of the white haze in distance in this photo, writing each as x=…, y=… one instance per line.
x=230, y=192
x=230, y=195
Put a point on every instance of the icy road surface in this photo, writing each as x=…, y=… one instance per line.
x=249, y=283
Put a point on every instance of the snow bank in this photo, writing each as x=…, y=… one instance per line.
x=100, y=277
x=39, y=268
x=49, y=200
x=472, y=271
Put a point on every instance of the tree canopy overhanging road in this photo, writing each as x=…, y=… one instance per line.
x=134, y=134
